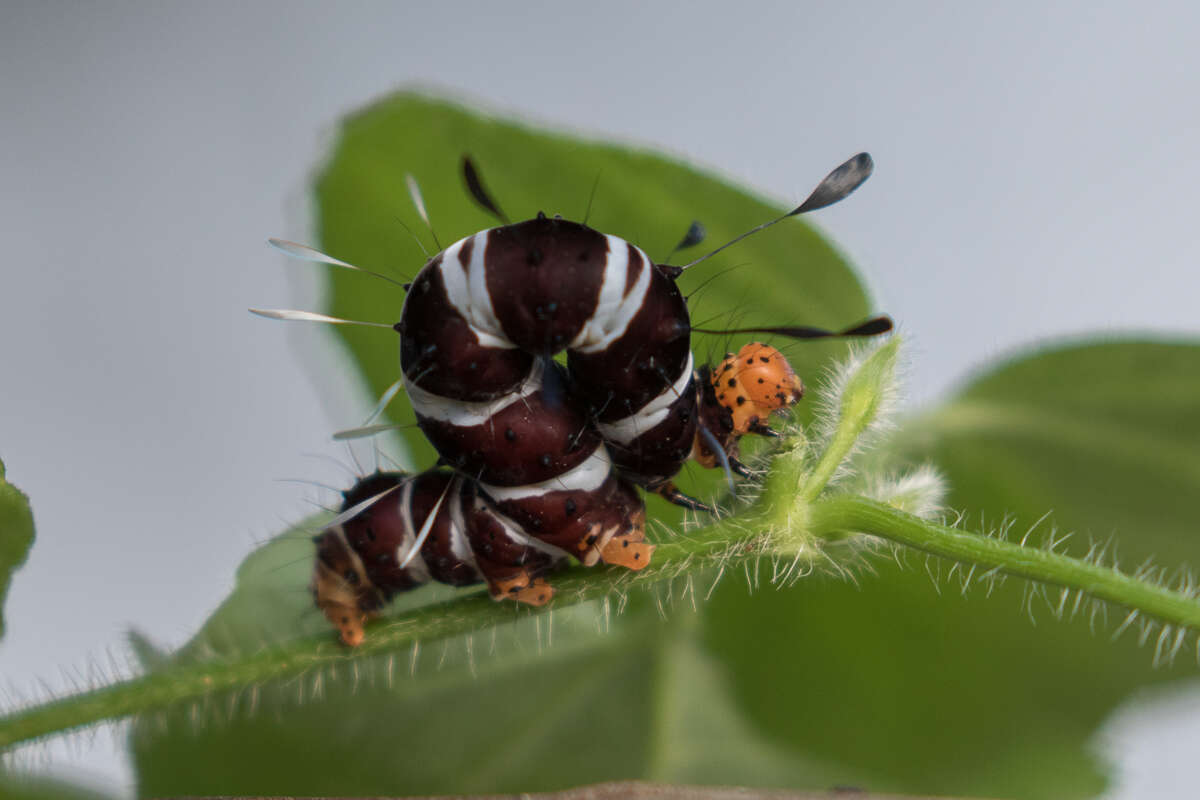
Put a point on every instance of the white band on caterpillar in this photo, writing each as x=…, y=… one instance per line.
x=649, y=416
x=468, y=292
x=465, y=413
x=615, y=308
x=587, y=476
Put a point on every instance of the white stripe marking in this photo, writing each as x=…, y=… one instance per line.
x=465, y=413
x=514, y=532
x=649, y=416
x=614, y=308
x=469, y=293
x=459, y=546
x=586, y=476
x=417, y=570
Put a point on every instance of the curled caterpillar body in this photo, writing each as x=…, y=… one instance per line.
x=482, y=321
x=546, y=458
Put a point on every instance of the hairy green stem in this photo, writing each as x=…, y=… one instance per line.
x=850, y=514
x=857, y=407
x=730, y=541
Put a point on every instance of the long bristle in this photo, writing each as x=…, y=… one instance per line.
x=414, y=191
x=367, y=430
x=384, y=400
x=294, y=315
x=427, y=526
x=305, y=253
x=356, y=509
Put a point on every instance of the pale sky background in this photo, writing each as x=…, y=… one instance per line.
x=1036, y=177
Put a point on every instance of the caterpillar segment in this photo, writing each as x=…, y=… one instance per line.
x=484, y=318
x=393, y=545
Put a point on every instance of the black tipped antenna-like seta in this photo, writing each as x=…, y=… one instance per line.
x=694, y=236
x=836, y=186
x=871, y=327
x=480, y=194
x=839, y=184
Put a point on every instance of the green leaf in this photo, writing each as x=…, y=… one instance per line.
x=789, y=275
x=703, y=737
x=1104, y=435
x=16, y=535
x=271, y=603
x=952, y=695
x=614, y=695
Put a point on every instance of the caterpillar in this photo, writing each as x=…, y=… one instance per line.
x=540, y=461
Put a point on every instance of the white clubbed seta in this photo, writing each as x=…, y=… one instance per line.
x=427, y=526
x=303, y=252
x=295, y=315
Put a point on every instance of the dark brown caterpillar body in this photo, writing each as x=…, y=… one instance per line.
x=363, y=562
x=482, y=321
x=546, y=458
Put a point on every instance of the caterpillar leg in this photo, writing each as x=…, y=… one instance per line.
x=623, y=544
x=739, y=468
x=624, y=552
x=340, y=587
x=672, y=494
x=630, y=548
x=762, y=429
x=349, y=621
x=521, y=587
x=537, y=593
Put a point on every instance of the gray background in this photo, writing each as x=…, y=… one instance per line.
x=1036, y=178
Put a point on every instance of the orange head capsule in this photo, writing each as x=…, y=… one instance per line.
x=755, y=382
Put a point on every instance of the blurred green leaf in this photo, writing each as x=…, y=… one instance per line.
x=1105, y=435
x=16, y=535
x=946, y=694
x=14, y=786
